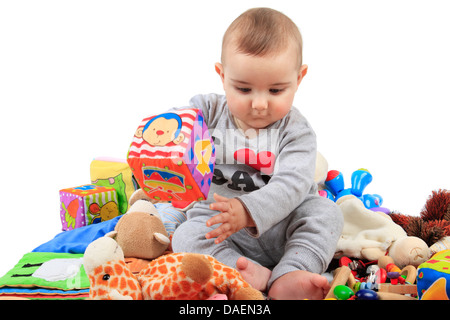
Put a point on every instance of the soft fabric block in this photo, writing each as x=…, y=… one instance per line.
x=87, y=204
x=114, y=173
x=172, y=156
x=433, y=277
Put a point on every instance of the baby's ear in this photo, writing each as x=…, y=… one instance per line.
x=304, y=70
x=219, y=70
x=302, y=73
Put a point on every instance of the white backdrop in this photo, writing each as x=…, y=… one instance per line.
x=76, y=78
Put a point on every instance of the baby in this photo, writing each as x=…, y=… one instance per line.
x=263, y=215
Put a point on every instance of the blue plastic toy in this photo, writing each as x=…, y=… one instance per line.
x=360, y=180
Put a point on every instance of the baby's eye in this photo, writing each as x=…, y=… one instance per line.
x=275, y=91
x=244, y=90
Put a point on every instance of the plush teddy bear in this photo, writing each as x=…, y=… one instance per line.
x=181, y=276
x=140, y=232
x=369, y=235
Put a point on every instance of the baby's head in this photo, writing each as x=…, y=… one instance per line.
x=261, y=67
x=262, y=32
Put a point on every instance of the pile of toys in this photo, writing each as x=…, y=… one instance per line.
x=414, y=263
x=384, y=254
x=375, y=280
x=383, y=280
x=171, y=158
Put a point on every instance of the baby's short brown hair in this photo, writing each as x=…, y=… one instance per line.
x=262, y=31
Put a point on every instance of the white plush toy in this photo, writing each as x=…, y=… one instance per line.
x=370, y=235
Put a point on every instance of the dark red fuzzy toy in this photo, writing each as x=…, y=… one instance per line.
x=433, y=222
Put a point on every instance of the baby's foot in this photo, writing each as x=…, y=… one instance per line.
x=299, y=285
x=257, y=276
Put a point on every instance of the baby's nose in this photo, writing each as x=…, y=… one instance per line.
x=259, y=104
x=159, y=132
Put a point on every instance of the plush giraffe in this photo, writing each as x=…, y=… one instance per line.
x=189, y=276
x=109, y=276
x=181, y=276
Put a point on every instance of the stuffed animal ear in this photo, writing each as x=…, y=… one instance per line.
x=111, y=234
x=161, y=238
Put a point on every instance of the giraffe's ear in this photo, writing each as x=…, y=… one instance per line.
x=161, y=238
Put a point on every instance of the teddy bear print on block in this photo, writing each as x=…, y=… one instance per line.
x=172, y=156
x=87, y=204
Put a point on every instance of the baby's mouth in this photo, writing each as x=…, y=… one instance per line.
x=257, y=113
x=259, y=116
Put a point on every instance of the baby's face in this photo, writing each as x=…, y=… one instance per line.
x=259, y=90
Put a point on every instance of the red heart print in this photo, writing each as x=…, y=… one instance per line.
x=264, y=161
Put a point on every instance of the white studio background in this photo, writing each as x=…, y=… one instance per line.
x=77, y=77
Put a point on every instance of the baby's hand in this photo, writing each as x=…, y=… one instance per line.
x=233, y=217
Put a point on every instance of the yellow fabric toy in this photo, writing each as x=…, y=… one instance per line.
x=112, y=172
